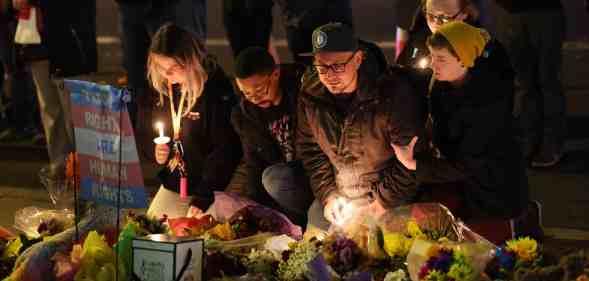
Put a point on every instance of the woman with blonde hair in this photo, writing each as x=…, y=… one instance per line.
x=204, y=150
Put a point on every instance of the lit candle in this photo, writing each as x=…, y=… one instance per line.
x=162, y=139
x=423, y=63
x=160, y=127
x=346, y=210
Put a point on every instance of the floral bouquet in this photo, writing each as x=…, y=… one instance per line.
x=523, y=259
x=293, y=265
x=447, y=261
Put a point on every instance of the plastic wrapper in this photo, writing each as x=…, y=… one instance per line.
x=191, y=226
x=226, y=205
x=29, y=220
x=476, y=254
x=400, y=226
x=60, y=190
x=245, y=244
x=98, y=260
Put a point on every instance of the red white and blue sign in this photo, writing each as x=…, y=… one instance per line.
x=106, y=146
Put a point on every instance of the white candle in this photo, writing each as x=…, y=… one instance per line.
x=162, y=139
x=160, y=127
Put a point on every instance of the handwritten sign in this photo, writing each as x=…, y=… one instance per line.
x=106, y=146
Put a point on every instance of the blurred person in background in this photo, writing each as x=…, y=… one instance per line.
x=20, y=123
x=533, y=33
x=67, y=50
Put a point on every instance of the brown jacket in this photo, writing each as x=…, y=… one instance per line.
x=350, y=154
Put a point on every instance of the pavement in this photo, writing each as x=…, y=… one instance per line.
x=563, y=190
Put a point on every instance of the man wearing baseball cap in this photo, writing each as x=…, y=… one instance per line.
x=350, y=112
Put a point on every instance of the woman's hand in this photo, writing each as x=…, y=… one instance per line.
x=405, y=154
x=162, y=152
x=194, y=212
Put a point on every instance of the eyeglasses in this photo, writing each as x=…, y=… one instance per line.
x=336, y=67
x=258, y=92
x=441, y=19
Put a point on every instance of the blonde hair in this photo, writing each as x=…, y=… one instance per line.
x=179, y=44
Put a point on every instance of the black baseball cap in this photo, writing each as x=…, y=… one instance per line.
x=333, y=37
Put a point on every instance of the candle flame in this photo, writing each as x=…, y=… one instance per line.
x=423, y=63
x=346, y=210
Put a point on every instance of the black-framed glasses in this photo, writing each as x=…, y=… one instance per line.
x=336, y=67
x=441, y=19
x=258, y=92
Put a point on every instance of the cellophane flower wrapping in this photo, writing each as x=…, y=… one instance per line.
x=226, y=205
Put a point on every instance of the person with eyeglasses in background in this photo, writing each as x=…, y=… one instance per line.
x=430, y=15
x=265, y=120
x=349, y=114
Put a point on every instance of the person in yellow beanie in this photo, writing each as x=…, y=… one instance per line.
x=479, y=172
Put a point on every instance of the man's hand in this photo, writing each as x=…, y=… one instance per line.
x=162, y=151
x=376, y=209
x=336, y=210
x=405, y=154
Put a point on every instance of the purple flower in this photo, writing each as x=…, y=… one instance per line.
x=506, y=258
x=346, y=256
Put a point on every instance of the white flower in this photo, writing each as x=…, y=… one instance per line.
x=399, y=275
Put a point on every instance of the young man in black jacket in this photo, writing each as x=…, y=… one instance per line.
x=479, y=173
x=351, y=109
x=266, y=123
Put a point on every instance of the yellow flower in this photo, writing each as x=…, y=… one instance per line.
x=222, y=232
x=396, y=244
x=526, y=248
x=414, y=230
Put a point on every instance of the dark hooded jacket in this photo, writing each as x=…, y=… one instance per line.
x=260, y=149
x=473, y=131
x=68, y=37
x=350, y=154
x=211, y=147
x=519, y=6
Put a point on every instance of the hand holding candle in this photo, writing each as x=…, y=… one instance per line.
x=162, y=139
x=338, y=211
x=423, y=63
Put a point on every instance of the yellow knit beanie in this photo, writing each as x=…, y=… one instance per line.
x=467, y=40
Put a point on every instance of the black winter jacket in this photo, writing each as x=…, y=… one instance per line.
x=309, y=14
x=473, y=131
x=260, y=149
x=519, y=6
x=212, y=149
x=68, y=37
x=351, y=155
